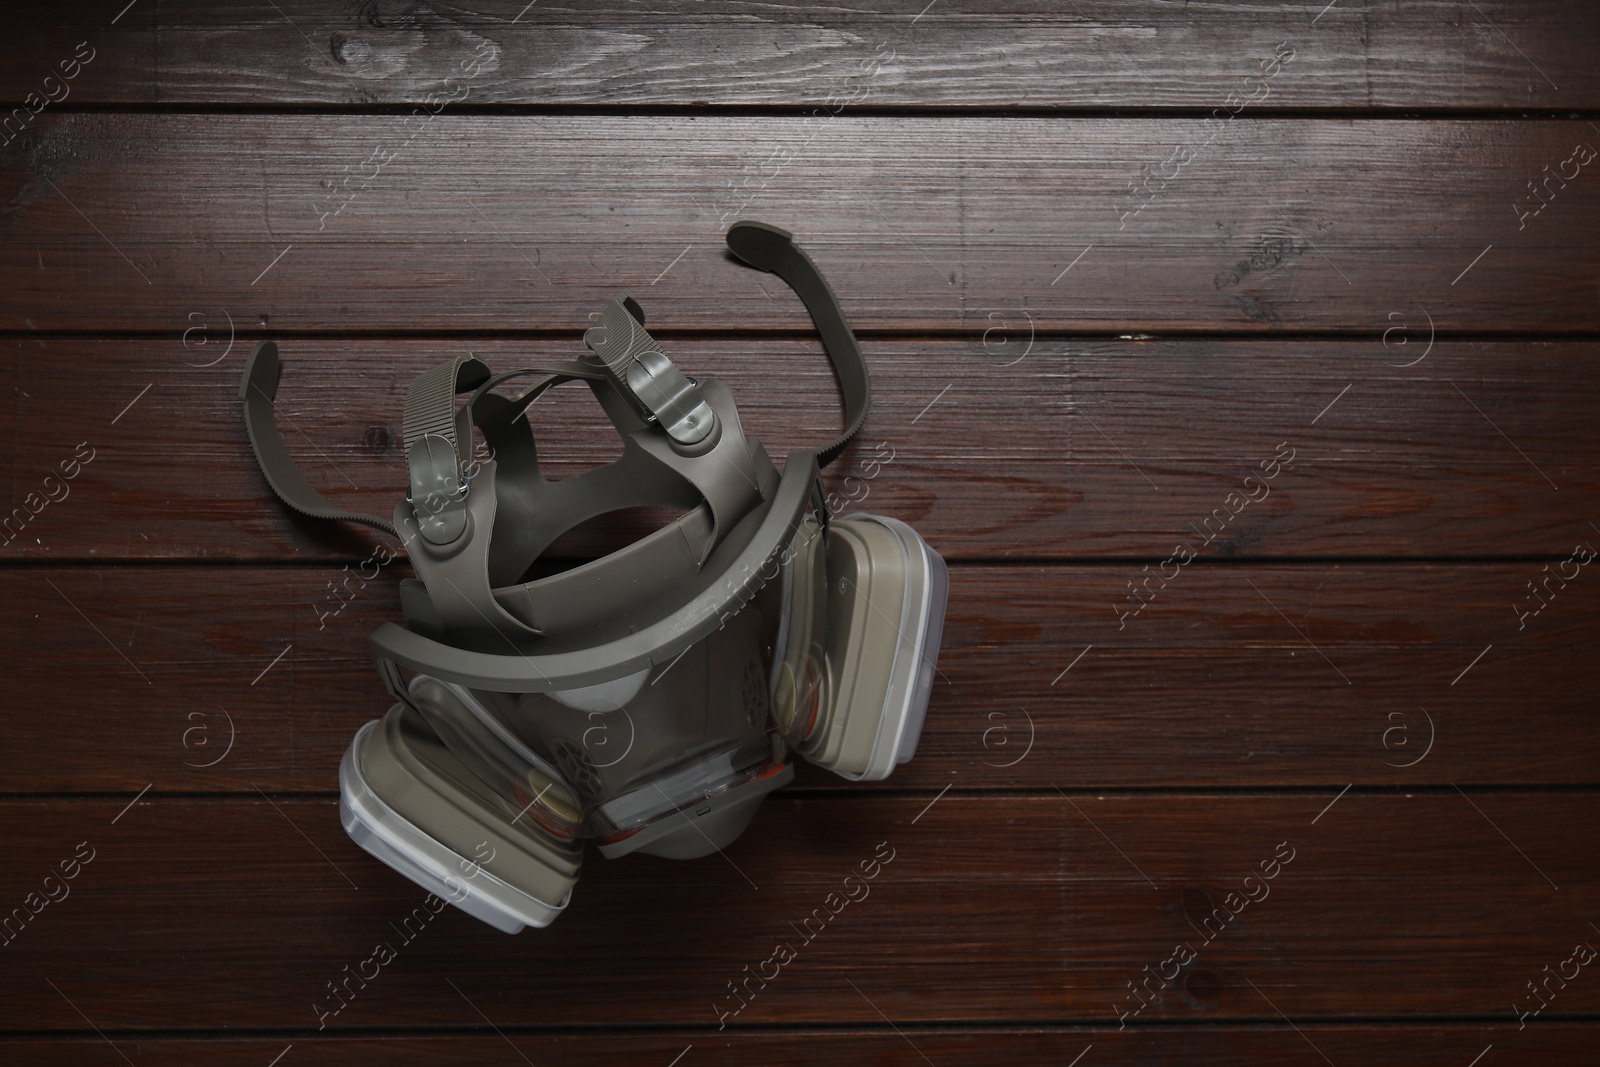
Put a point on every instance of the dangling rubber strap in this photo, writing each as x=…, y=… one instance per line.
x=257, y=389
x=771, y=249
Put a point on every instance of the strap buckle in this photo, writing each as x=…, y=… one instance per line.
x=438, y=442
x=438, y=492
x=660, y=392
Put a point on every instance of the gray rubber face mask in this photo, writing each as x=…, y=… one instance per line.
x=649, y=699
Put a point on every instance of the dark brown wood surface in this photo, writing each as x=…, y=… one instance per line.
x=134, y=221
x=1080, y=348
x=1084, y=890
x=1500, y=54
x=1300, y=1045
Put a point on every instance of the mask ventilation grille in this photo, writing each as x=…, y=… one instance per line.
x=577, y=768
x=754, y=693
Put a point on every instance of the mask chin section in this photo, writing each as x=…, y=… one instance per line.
x=694, y=811
x=884, y=603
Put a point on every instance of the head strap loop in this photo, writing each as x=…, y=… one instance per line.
x=258, y=388
x=770, y=249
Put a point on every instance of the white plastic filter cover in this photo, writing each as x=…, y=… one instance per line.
x=387, y=835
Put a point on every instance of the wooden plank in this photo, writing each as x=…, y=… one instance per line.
x=1003, y=446
x=1493, y=54
x=124, y=222
x=1342, y=672
x=1340, y=1042
x=984, y=910
x=219, y=678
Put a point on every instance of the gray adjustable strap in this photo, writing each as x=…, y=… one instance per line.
x=554, y=374
x=642, y=372
x=431, y=404
x=770, y=249
x=457, y=576
x=438, y=442
x=258, y=388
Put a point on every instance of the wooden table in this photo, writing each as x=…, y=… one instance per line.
x=1237, y=357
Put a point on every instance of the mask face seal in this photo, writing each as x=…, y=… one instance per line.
x=648, y=700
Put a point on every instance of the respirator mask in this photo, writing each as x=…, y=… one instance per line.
x=649, y=699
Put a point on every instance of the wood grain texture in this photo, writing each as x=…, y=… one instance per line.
x=1009, y=445
x=1229, y=677
x=124, y=222
x=1554, y=1043
x=1365, y=919
x=1090, y=54
x=1093, y=303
